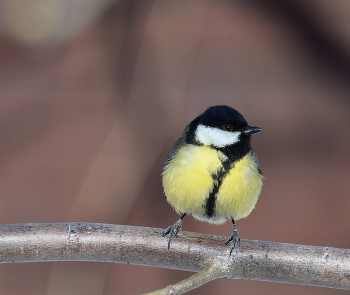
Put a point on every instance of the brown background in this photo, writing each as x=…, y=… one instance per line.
x=89, y=112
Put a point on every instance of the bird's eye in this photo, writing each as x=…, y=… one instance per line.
x=227, y=128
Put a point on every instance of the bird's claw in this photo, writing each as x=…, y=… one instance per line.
x=172, y=231
x=235, y=238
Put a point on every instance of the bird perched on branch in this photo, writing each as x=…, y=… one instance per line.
x=212, y=171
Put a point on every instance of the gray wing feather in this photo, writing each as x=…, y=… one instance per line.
x=177, y=145
x=255, y=158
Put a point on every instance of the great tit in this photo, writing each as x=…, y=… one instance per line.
x=212, y=171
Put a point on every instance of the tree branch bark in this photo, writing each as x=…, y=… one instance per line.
x=255, y=260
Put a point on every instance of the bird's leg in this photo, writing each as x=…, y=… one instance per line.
x=234, y=237
x=172, y=230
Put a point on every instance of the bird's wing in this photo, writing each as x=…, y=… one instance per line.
x=178, y=144
x=255, y=158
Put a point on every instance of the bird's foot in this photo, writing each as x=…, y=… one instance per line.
x=235, y=238
x=172, y=231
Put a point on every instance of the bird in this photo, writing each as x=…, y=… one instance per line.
x=212, y=171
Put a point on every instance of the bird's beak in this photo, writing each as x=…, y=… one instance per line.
x=251, y=130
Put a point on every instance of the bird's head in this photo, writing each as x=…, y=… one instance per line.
x=220, y=126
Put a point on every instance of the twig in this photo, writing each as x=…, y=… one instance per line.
x=255, y=260
x=216, y=268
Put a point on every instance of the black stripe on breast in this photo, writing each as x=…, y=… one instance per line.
x=218, y=177
x=233, y=153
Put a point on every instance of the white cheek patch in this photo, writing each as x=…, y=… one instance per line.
x=215, y=136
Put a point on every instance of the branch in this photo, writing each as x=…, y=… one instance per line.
x=206, y=254
x=215, y=269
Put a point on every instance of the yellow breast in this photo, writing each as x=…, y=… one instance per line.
x=240, y=190
x=187, y=182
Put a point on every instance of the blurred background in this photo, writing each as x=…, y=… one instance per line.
x=94, y=93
